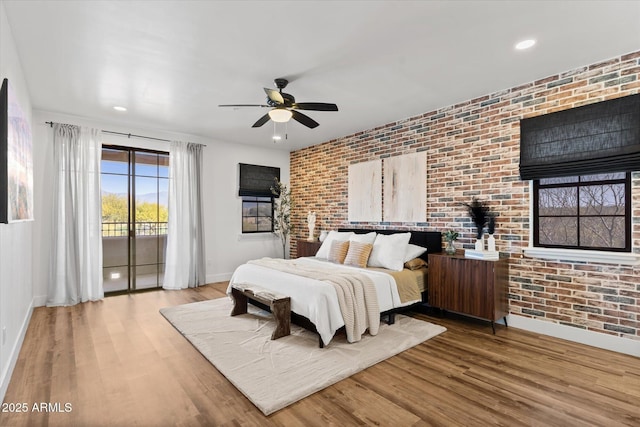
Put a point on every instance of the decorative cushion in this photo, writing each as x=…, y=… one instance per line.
x=338, y=251
x=415, y=264
x=364, y=238
x=323, y=252
x=389, y=250
x=358, y=254
x=413, y=251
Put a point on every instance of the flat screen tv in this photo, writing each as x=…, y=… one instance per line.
x=16, y=159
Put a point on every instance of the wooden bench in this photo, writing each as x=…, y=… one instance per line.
x=280, y=307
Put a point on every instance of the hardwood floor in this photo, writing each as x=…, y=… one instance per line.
x=119, y=362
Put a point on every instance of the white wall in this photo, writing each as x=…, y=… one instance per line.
x=225, y=246
x=16, y=285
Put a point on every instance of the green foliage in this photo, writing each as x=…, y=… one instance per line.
x=115, y=209
x=450, y=235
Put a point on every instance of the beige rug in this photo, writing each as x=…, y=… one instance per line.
x=274, y=374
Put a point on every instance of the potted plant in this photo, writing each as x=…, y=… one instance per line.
x=450, y=236
x=282, y=213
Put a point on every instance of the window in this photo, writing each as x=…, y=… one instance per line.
x=583, y=212
x=257, y=214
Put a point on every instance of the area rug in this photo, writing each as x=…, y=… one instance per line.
x=275, y=373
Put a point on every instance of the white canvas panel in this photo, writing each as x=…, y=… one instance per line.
x=365, y=191
x=405, y=188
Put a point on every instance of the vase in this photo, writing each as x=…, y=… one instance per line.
x=491, y=243
x=450, y=249
x=480, y=244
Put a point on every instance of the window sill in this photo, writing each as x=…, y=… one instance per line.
x=623, y=258
x=267, y=235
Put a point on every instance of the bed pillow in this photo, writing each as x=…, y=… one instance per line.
x=338, y=251
x=415, y=264
x=413, y=251
x=364, y=238
x=358, y=254
x=323, y=252
x=389, y=250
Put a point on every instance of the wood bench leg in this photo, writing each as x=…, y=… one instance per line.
x=281, y=310
x=240, y=302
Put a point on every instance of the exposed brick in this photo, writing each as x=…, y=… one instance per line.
x=473, y=150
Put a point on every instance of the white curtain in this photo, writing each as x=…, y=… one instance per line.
x=185, y=258
x=76, y=256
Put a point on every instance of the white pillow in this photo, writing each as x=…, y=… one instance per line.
x=364, y=238
x=323, y=252
x=389, y=251
x=413, y=251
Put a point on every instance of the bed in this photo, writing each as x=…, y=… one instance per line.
x=318, y=305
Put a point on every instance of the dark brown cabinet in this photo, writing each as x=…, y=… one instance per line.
x=469, y=286
x=306, y=248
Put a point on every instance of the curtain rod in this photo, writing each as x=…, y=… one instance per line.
x=128, y=135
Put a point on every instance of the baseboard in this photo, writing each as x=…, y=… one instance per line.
x=15, y=352
x=221, y=277
x=40, y=301
x=569, y=333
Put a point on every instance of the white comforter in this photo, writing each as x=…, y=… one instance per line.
x=315, y=299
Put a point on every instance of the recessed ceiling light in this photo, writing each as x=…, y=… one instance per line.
x=525, y=44
x=119, y=108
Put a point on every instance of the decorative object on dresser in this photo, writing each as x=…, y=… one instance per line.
x=472, y=287
x=306, y=248
x=450, y=236
x=311, y=224
x=479, y=213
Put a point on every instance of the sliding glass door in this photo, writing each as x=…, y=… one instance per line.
x=135, y=186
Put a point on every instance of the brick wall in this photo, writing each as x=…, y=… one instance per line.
x=473, y=150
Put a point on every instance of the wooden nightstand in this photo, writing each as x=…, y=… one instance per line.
x=469, y=286
x=306, y=248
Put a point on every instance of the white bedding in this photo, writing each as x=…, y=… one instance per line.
x=314, y=299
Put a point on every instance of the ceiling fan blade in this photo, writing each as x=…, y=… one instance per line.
x=305, y=120
x=262, y=120
x=274, y=95
x=242, y=105
x=316, y=106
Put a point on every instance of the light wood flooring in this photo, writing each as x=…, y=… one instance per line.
x=118, y=362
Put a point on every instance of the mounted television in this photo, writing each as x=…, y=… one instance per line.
x=16, y=159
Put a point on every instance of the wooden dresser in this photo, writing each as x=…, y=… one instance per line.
x=306, y=248
x=469, y=286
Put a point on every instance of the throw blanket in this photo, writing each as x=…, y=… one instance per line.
x=356, y=293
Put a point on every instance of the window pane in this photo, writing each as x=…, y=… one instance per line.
x=163, y=166
x=249, y=208
x=249, y=224
x=264, y=209
x=114, y=161
x=559, y=180
x=557, y=201
x=603, y=176
x=558, y=231
x=608, y=199
x=146, y=164
x=606, y=232
x=264, y=224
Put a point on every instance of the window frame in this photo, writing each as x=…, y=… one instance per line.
x=579, y=183
x=256, y=199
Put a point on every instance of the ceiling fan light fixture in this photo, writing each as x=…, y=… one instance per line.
x=280, y=115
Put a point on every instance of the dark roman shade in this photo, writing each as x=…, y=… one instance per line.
x=257, y=180
x=592, y=139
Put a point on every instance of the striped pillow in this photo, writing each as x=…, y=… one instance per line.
x=358, y=254
x=338, y=251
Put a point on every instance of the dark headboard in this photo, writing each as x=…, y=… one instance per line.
x=432, y=240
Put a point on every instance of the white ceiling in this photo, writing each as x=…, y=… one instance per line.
x=172, y=62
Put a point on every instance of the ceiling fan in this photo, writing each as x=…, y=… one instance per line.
x=284, y=107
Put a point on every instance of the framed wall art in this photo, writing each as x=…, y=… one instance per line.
x=16, y=159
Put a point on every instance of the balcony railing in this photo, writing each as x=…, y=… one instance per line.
x=121, y=229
